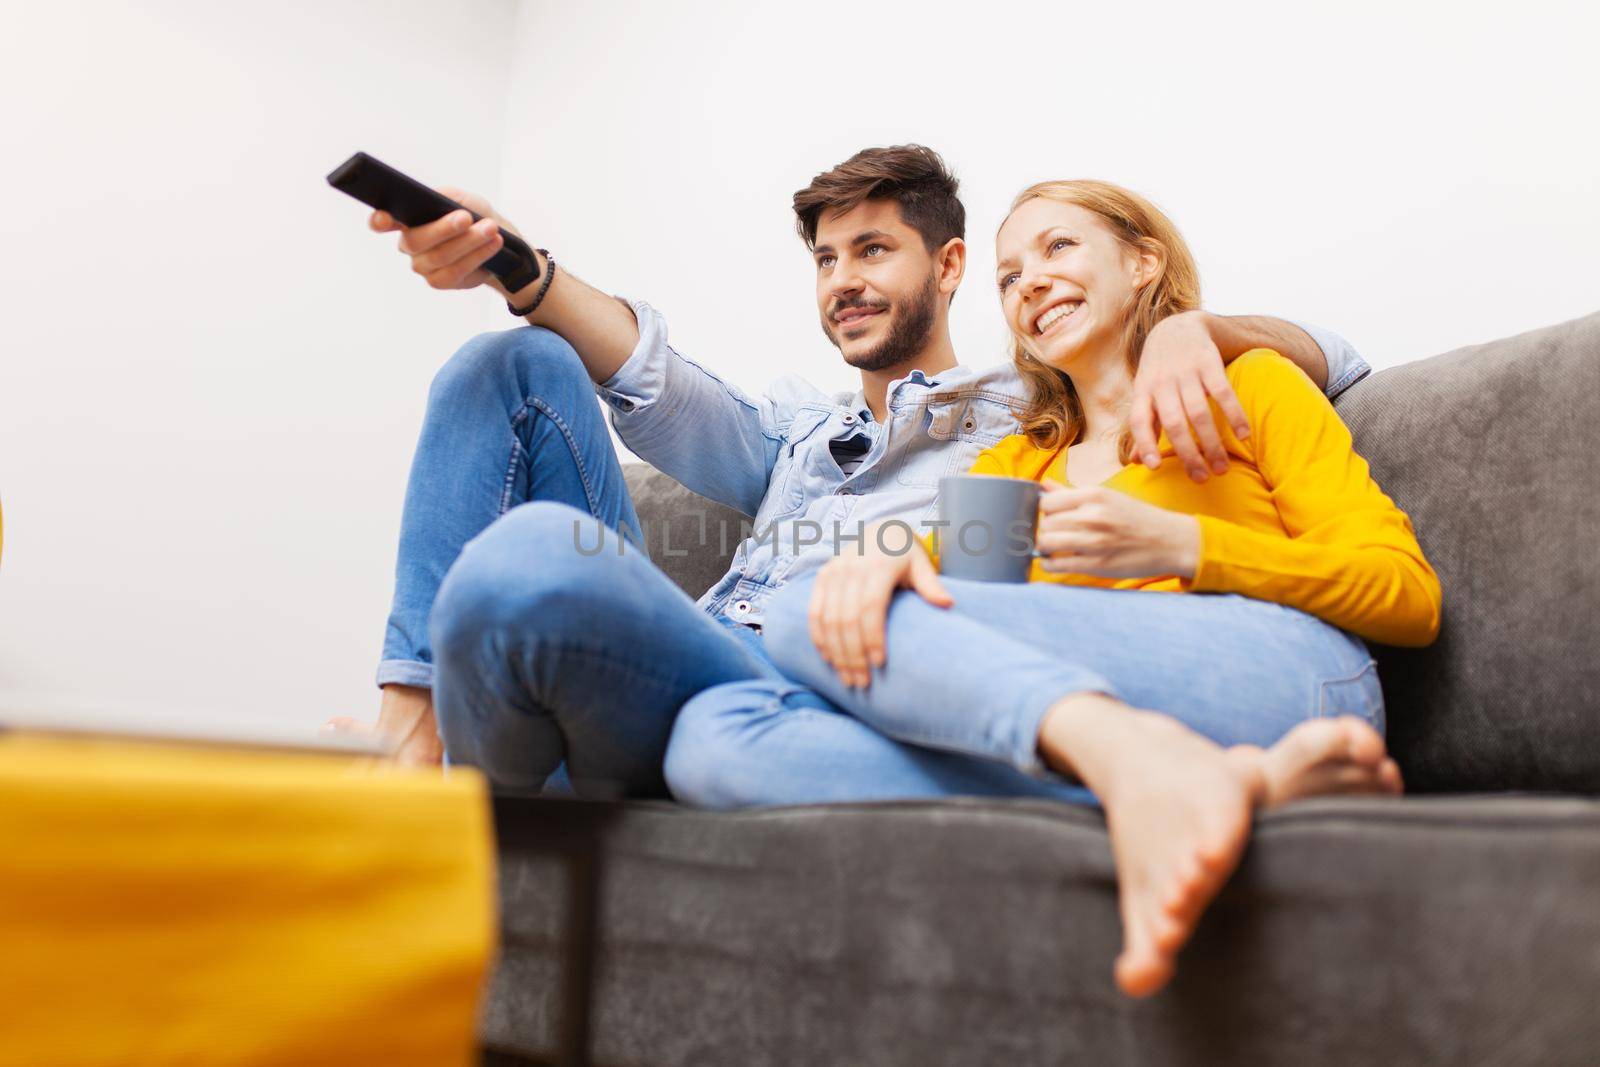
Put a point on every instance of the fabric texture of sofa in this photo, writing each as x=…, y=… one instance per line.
x=1458, y=924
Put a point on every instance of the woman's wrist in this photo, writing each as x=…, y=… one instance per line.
x=1185, y=545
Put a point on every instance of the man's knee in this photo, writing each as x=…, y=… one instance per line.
x=538, y=564
x=520, y=358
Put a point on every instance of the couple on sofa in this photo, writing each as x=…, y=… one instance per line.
x=1191, y=457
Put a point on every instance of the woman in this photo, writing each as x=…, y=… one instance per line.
x=1242, y=683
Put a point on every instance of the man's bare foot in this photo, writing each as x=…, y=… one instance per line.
x=1328, y=756
x=1178, y=809
x=405, y=717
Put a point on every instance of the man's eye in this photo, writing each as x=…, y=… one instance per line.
x=870, y=248
x=824, y=262
x=1060, y=242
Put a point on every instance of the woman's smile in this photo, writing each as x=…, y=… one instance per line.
x=1053, y=316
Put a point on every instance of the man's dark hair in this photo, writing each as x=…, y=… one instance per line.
x=911, y=175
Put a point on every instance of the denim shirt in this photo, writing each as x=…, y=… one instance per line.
x=777, y=457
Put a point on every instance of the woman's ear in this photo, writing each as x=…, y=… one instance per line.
x=952, y=265
x=1147, y=267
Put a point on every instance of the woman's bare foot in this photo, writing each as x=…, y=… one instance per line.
x=1178, y=808
x=405, y=717
x=1328, y=756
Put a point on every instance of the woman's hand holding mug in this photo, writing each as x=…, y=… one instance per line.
x=1100, y=531
x=850, y=600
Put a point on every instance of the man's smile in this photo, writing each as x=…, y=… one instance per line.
x=856, y=317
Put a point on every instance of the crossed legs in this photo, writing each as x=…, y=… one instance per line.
x=1041, y=690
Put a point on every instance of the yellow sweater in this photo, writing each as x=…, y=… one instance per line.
x=1297, y=519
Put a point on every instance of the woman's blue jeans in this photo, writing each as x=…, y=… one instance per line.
x=957, y=706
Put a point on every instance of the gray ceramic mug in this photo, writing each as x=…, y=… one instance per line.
x=991, y=526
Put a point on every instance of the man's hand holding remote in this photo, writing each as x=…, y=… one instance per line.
x=450, y=252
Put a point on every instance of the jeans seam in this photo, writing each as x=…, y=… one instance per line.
x=603, y=657
x=517, y=451
x=775, y=706
x=1322, y=690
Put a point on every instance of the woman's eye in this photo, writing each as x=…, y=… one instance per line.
x=1059, y=243
x=1005, y=283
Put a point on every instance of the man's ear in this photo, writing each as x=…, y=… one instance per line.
x=952, y=265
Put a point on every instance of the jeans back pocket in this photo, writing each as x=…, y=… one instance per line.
x=1360, y=694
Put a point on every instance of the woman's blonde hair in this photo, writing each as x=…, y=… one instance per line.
x=1053, y=416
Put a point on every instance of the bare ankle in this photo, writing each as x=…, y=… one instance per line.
x=403, y=706
x=1073, y=729
x=405, y=717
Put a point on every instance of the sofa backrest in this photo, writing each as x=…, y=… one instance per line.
x=689, y=537
x=1494, y=452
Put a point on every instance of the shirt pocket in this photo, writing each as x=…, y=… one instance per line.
x=790, y=476
x=958, y=427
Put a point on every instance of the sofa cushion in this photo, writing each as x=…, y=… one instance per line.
x=1423, y=930
x=689, y=537
x=1494, y=452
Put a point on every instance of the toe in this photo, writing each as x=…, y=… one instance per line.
x=1390, y=779
x=1141, y=974
x=1226, y=831
x=1138, y=946
x=1184, y=886
x=1346, y=779
x=1364, y=744
x=1167, y=933
x=1308, y=744
x=344, y=724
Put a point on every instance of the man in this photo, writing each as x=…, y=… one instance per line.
x=537, y=641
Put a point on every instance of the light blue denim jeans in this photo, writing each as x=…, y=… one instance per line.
x=546, y=647
x=957, y=706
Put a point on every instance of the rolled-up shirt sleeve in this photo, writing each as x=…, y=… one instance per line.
x=1345, y=365
x=690, y=424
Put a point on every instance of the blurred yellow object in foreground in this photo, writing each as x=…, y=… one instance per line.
x=162, y=904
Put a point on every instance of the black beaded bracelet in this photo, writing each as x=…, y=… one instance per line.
x=549, y=276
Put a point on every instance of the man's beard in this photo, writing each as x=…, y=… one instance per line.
x=908, y=334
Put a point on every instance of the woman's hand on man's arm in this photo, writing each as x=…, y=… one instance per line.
x=850, y=601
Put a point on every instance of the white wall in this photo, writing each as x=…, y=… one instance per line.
x=1417, y=176
x=211, y=376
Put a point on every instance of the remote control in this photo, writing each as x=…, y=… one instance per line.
x=380, y=186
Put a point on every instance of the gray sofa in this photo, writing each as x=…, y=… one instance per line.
x=1460, y=924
